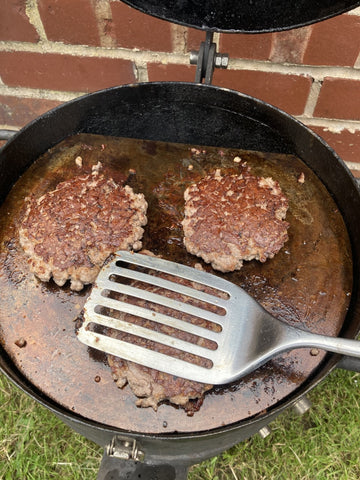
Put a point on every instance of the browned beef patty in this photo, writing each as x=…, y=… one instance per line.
x=149, y=385
x=232, y=218
x=69, y=232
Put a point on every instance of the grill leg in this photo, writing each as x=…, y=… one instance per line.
x=113, y=468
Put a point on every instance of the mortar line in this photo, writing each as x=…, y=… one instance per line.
x=355, y=11
x=103, y=14
x=331, y=124
x=38, y=93
x=353, y=166
x=178, y=38
x=357, y=62
x=91, y=51
x=141, y=72
x=33, y=14
x=312, y=99
x=318, y=73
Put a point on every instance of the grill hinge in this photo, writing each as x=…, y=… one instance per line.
x=206, y=59
x=125, y=449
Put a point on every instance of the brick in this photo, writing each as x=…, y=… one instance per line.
x=194, y=38
x=334, y=42
x=158, y=72
x=69, y=21
x=14, y=23
x=287, y=92
x=17, y=111
x=290, y=46
x=134, y=29
x=255, y=46
x=345, y=143
x=63, y=72
x=339, y=98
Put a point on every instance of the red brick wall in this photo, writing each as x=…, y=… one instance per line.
x=52, y=51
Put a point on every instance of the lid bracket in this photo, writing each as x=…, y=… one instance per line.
x=206, y=59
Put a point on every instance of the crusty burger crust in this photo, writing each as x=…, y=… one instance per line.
x=69, y=232
x=232, y=218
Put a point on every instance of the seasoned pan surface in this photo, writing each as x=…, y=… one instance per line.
x=307, y=284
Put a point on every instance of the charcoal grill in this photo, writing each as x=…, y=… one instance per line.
x=192, y=114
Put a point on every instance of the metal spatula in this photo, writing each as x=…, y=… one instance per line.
x=249, y=335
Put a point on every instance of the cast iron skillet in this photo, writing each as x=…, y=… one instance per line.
x=243, y=16
x=192, y=114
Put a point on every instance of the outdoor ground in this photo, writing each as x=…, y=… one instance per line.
x=322, y=444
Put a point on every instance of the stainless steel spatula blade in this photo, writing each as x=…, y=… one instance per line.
x=245, y=337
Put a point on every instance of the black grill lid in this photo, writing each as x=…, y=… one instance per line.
x=243, y=16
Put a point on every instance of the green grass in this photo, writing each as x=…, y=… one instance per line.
x=322, y=444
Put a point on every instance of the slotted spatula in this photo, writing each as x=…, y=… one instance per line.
x=249, y=335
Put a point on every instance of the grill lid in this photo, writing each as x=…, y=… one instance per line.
x=243, y=16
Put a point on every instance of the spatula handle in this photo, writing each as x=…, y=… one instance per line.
x=343, y=346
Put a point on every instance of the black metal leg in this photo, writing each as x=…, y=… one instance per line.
x=113, y=468
x=349, y=363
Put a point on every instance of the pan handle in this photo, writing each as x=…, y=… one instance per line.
x=113, y=468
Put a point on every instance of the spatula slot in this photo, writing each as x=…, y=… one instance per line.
x=114, y=335
x=204, y=289
x=178, y=299
x=150, y=322
x=155, y=304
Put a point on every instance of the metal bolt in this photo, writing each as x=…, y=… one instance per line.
x=302, y=405
x=126, y=449
x=264, y=431
x=221, y=60
x=194, y=57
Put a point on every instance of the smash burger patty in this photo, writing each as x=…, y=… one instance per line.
x=149, y=385
x=232, y=218
x=69, y=232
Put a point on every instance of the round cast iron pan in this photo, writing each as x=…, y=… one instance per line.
x=192, y=114
x=307, y=284
x=249, y=16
